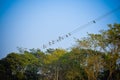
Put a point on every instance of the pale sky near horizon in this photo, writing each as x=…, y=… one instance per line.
x=32, y=23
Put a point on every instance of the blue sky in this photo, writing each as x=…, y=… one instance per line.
x=32, y=23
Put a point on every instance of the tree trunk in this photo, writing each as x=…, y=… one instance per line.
x=109, y=77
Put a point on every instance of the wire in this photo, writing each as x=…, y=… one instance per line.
x=95, y=20
x=60, y=38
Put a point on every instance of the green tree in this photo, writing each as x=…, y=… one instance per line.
x=106, y=42
x=53, y=63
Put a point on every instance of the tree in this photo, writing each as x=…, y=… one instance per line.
x=53, y=63
x=14, y=65
x=106, y=42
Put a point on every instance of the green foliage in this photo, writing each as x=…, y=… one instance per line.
x=95, y=57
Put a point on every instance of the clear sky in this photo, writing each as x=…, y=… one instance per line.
x=32, y=23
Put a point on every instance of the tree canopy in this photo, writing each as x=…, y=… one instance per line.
x=95, y=57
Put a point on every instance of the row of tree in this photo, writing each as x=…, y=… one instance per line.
x=96, y=57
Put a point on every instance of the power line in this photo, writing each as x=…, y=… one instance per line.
x=95, y=20
x=60, y=38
